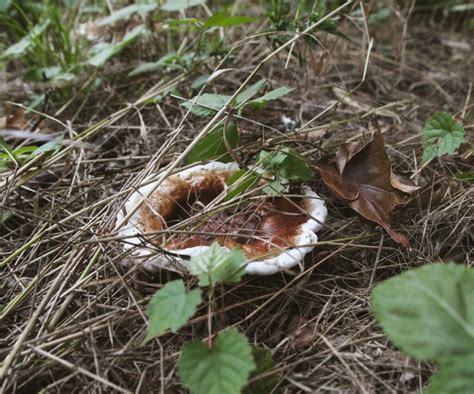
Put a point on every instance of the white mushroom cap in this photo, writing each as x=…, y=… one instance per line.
x=304, y=240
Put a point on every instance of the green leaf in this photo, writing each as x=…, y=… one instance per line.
x=467, y=176
x=4, y=5
x=199, y=82
x=276, y=187
x=218, y=264
x=126, y=12
x=441, y=136
x=50, y=146
x=5, y=215
x=103, y=51
x=213, y=145
x=179, y=5
x=294, y=167
x=428, y=312
x=206, y=104
x=19, y=49
x=454, y=377
x=144, y=68
x=170, y=308
x=328, y=26
x=272, y=95
x=248, y=93
x=221, y=19
x=241, y=181
x=285, y=165
x=264, y=361
x=221, y=370
x=183, y=21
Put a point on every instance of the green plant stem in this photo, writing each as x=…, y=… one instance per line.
x=209, y=312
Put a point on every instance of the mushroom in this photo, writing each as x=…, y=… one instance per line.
x=274, y=233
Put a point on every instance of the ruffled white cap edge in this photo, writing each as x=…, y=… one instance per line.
x=288, y=258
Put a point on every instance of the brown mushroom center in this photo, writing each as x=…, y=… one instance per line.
x=258, y=228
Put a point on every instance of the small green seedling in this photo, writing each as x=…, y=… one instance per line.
x=224, y=365
x=441, y=136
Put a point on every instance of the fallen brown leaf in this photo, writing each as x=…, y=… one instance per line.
x=14, y=117
x=362, y=177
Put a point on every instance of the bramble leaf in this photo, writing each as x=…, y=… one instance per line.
x=170, y=308
x=454, y=377
x=285, y=165
x=224, y=369
x=428, y=312
x=218, y=264
x=441, y=136
x=213, y=145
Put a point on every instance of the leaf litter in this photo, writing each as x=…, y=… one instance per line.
x=362, y=177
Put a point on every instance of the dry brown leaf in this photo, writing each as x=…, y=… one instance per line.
x=15, y=117
x=363, y=178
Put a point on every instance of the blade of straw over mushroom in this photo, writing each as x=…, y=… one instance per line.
x=274, y=233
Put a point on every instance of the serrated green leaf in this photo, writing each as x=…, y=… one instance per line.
x=179, y=5
x=213, y=145
x=221, y=19
x=221, y=370
x=248, y=93
x=206, y=104
x=276, y=187
x=25, y=43
x=272, y=95
x=217, y=264
x=441, y=136
x=285, y=165
x=428, y=312
x=170, y=308
x=241, y=181
x=454, y=377
x=126, y=12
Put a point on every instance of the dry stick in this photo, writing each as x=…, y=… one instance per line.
x=31, y=323
x=76, y=368
x=216, y=121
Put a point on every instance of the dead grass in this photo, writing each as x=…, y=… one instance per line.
x=73, y=316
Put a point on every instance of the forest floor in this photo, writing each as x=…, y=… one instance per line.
x=72, y=297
